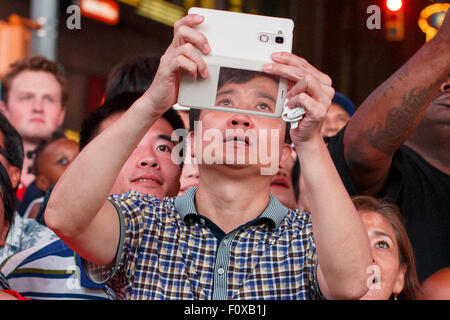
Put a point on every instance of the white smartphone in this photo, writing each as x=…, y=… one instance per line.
x=240, y=45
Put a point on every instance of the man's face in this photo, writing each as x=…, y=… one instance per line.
x=258, y=94
x=437, y=115
x=335, y=120
x=149, y=169
x=34, y=105
x=255, y=139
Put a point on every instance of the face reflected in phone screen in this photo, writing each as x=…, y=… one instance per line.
x=247, y=90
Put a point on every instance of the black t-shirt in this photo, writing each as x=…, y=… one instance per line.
x=423, y=194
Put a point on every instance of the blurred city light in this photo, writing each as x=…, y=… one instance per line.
x=394, y=5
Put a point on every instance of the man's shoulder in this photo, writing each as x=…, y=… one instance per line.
x=298, y=220
x=139, y=198
x=144, y=204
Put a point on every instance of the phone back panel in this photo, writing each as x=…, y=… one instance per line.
x=240, y=41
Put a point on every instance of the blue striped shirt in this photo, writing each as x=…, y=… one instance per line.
x=50, y=271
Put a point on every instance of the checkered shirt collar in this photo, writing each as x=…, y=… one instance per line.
x=274, y=213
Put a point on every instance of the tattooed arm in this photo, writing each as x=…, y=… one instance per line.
x=391, y=113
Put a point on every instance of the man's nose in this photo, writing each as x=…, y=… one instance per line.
x=240, y=121
x=445, y=87
x=38, y=105
x=148, y=161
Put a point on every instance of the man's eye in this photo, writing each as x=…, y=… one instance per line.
x=63, y=161
x=163, y=148
x=225, y=102
x=382, y=245
x=263, y=107
x=49, y=99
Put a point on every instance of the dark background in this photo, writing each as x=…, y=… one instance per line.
x=331, y=34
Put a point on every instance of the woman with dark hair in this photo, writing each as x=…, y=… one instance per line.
x=394, y=266
x=7, y=205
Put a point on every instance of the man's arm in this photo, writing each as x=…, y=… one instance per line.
x=342, y=244
x=393, y=111
x=77, y=210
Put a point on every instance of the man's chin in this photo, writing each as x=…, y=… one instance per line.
x=36, y=136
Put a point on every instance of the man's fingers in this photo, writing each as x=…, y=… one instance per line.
x=295, y=61
x=285, y=71
x=189, y=52
x=187, y=34
x=184, y=63
x=184, y=33
x=312, y=86
x=189, y=20
x=314, y=109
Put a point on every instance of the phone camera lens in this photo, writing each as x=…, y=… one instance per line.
x=279, y=39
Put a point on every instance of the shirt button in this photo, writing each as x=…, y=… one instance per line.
x=225, y=241
x=221, y=271
x=202, y=221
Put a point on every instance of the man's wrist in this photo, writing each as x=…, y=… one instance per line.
x=313, y=145
x=146, y=110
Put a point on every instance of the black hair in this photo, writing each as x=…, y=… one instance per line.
x=13, y=143
x=296, y=178
x=8, y=196
x=233, y=75
x=41, y=146
x=120, y=103
x=133, y=75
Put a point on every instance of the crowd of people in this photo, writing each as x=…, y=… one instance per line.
x=359, y=207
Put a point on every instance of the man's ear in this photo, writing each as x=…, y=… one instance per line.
x=42, y=182
x=400, y=281
x=3, y=233
x=286, y=154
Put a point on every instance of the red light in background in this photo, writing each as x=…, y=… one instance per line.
x=394, y=5
x=106, y=11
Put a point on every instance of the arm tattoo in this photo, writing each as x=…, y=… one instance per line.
x=398, y=120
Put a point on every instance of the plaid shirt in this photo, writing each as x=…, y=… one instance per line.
x=169, y=251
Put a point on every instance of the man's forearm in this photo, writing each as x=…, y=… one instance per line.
x=343, y=248
x=388, y=117
x=390, y=114
x=86, y=184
